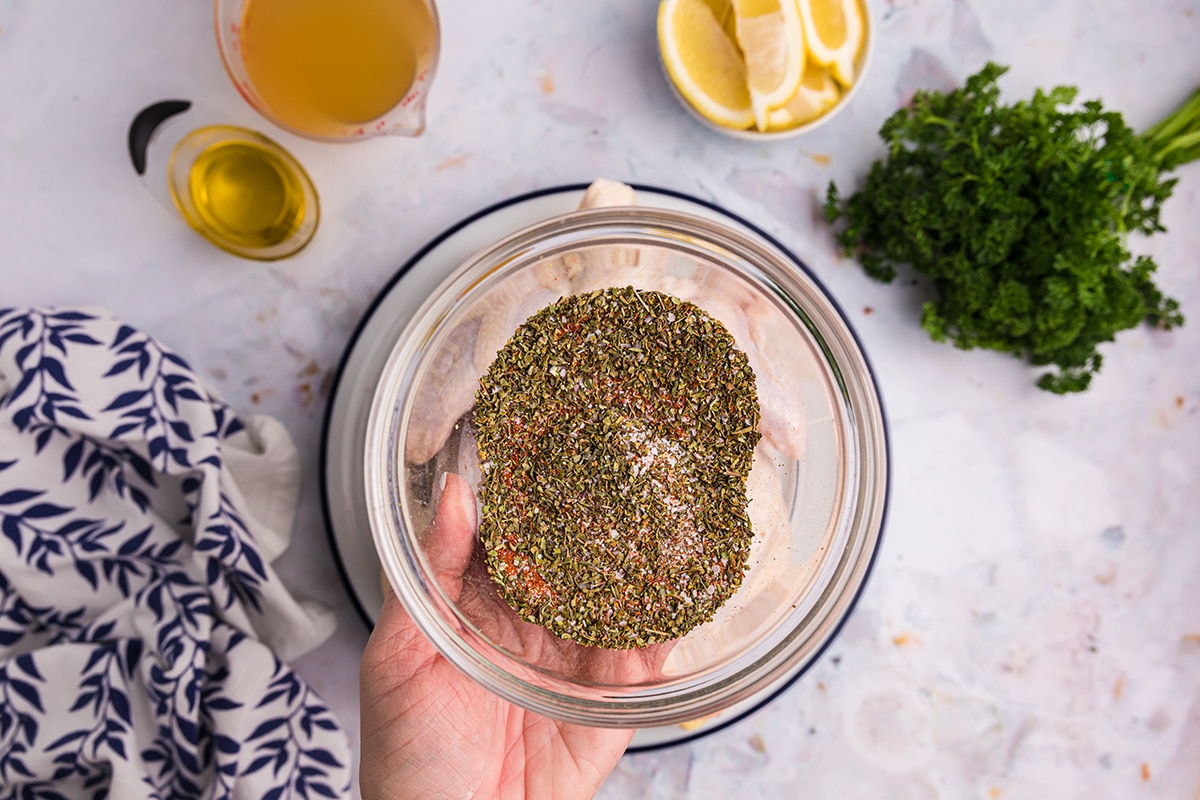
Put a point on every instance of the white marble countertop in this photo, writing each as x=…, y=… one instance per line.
x=1032, y=629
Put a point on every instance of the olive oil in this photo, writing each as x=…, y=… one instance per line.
x=245, y=194
x=320, y=64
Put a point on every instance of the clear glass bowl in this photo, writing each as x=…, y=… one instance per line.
x=817, y=493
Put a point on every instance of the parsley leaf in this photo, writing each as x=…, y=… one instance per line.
x=1019, y=215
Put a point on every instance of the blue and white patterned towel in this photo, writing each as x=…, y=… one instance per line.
x=142, y=629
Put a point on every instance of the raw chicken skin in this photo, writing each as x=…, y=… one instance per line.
x=448, y=391
x=771, y=344
x=604, y=193
x=451, y=379
x=774, y=576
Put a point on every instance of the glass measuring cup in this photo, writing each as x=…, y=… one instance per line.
x=332, y=70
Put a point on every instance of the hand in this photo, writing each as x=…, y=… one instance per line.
x=430, y=731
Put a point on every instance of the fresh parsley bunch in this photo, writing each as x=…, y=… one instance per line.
x=1019, y=215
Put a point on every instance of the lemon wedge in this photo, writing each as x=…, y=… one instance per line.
x=771, y=36
x=723, y=11
x=703, y=63
x=834, y=34
x=818, y=93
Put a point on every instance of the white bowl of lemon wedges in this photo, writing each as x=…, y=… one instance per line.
x=765, y=69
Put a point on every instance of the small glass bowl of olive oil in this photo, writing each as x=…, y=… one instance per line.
x=243, y=192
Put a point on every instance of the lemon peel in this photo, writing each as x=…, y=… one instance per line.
x=834, y=35
x=703, y=63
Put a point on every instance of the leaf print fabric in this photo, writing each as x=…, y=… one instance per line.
x=143, y=632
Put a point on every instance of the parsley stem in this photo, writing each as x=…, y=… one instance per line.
x=1175, y=139
x=1189, y=143
x=945, y=123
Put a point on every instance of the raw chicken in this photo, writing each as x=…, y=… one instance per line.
x=776, y=353
x=604, y=193
x=767, y=336
x=775, y=350
x=448, y=391
x=565, y=274
x=775, y=575
x=780, y=357
x=510, y=304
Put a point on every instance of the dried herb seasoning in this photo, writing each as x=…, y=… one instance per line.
x=616, y=430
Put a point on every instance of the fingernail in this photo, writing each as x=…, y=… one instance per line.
x=442, y=482
x=468, y=502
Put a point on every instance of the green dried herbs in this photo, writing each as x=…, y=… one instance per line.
x=616, y=430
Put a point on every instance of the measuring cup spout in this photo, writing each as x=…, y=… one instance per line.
x=410, y=120
x=407, y=118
